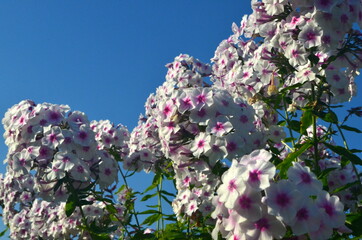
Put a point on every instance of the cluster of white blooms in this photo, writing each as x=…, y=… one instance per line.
x=288, y=55
x=145, y=147
x=195, y=126
x=284, y=43
x=50, y=148
x=251, y=205
x=107, y=135
x=187, y=71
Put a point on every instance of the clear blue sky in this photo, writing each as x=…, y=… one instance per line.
x=105, y=57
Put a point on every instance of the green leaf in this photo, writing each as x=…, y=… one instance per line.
x=284, y=90
x=352, y=129
x=141, y=235
x=289, y=139
x=168, y=193
x=156, y=180
x=152, y=206
x=110, y=229
x=325, y=172
x=281, y=123
x=166, y=199
x=171, y=218
x=344, y=187
x=219, y=168
x=355, y=150
x=287, y=162
x=121, y=188
x=174, y=235
x=85, y=202
x=313, y=59
x=71, y=204
x=150, y=211
x=294, y=125
x=102, y=236
x=3, y=232
x=354, y=222
x=89, y=187
x=111, y=209
x=152, y=219
x=306, y=121
x=148, y=196
x=345, y=153
x=58, y=184
x=331, y=117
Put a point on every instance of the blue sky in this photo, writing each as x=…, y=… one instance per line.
x=105, y=57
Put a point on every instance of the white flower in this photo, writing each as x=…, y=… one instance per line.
x=332, y=209
x=281, y=199
x=304, y=179
x=232, y=185
x=201, y=144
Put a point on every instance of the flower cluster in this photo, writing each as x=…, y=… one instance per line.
x=299, y=202
x=295, y=56
x=194, y=127
x=53, y=150
x=292, y=43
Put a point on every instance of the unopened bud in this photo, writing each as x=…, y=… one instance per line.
x=272, y=90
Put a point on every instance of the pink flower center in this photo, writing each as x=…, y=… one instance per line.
x=244, y=119
x=231, y=146
x=329, y=209
x=201, y=98
x=52, y=137
x=305, y=177
x=166, y=110
x=325, y=3
x=232, y=185
x=107, y=172
x=201, y=113
x=244, y=202
x=262, y=224
x=254, y=175
x=310, y=36
x=82, y=135
x=201, y=144
x=282, y=199
x=295, y=53
x=54, y=116
x=80, y=169
x=219, y=126
x=302, y=214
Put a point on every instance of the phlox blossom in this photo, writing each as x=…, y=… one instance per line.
x=232, y=185
x=307, y=218
x=332, y=209
x=304, y=179
x=201, y=144
x=248, y=204
x=281, y=199
x=267, y=227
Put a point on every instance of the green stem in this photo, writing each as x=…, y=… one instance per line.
x=315, y=138
x=126, y=183
x=160, y=222
x=83, y=217
x=346, y=146
x=188, y=226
